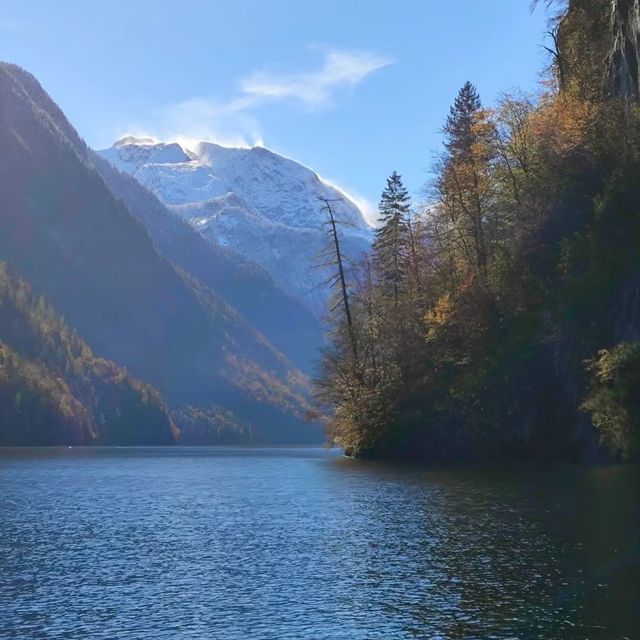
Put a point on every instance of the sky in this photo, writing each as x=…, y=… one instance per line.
x=354, y=89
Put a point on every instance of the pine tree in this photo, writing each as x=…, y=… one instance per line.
x=459, y=125
x=464, y=186
x=392, y=237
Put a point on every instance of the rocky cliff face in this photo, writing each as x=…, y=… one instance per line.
x=624, y=57
x=599, y=49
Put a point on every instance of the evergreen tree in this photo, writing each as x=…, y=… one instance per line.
x=485, y=326
x=459, y=125
x=464, y=186
x=391, y=245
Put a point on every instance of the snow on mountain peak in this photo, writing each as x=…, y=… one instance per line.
x=279, y=188
x=263, y=205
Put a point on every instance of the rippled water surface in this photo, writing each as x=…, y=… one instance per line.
x=300, y=543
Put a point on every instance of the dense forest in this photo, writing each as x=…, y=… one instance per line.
x=54, y=391
x=500, y=317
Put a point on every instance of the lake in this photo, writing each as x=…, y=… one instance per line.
x=296, y=543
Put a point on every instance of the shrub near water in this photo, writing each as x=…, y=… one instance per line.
x=614, y=401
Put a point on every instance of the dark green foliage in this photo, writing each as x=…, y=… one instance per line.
x=391, y=245
x=460, y=122
x=464, y=189
x=54, y=391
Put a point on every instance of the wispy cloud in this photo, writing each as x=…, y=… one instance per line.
x=315, y=88
x=210, y=120
x=234, y=121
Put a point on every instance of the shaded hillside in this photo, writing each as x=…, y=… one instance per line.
x=63, y=230
x=286, y=323
x=55, y=391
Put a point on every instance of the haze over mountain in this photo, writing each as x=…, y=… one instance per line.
x=258, y=204
x=63, y=230
x=285, y=322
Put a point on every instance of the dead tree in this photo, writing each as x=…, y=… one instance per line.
x=339, y=279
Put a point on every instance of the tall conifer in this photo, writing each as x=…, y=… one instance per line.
x=392, y=237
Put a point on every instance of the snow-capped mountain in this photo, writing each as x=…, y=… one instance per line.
x=253, y=201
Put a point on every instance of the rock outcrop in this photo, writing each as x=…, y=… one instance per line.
x=624, y=58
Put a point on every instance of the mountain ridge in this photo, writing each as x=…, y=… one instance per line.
x=263, y=206
x=243, y=284
x=64, y=231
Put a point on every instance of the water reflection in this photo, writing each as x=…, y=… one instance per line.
x=299, y=543
x=523, y=553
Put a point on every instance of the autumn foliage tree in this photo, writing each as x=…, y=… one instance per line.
x=499, y=319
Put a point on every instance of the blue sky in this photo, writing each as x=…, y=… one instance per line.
x=352, y=88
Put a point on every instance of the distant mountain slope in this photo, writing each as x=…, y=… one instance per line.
x=62, y=229
x=54, y=391
x=261, y=205
x=285, y=322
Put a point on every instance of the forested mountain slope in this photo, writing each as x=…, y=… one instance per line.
x=63, y=230
x=55, y=391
